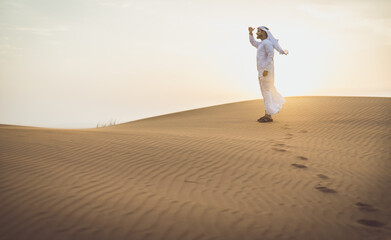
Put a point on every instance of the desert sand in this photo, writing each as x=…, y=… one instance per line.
x=321, y=170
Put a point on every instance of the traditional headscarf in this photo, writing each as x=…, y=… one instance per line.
x=274, y=41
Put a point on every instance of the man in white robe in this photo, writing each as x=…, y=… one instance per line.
x=265, y=65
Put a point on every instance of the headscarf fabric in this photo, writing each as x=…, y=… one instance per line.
x=273, y=40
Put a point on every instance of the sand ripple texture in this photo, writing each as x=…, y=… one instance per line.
x=321, y=170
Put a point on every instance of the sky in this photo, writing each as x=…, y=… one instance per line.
x=79, y=63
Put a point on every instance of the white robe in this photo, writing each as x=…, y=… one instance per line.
x=265, y=53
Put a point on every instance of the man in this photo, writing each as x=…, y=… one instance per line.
x=265, y=64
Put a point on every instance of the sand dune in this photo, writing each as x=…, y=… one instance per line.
x=321, y=170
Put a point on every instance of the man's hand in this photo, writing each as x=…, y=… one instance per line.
x=250, y=30
x=265, y=73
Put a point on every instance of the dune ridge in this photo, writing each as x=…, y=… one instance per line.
x=321, y=170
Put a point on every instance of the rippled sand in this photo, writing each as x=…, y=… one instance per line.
x=321, y=170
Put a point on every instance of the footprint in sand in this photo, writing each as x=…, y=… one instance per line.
x=370, y=223
x=279, y=145
x=299, y=165
x=289, y=136
x=322, y=176
x=302, y=158
x=365, y=207
x=187, y=181
x=325, y=189
x=279, y=149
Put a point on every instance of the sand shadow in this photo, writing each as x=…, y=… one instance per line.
x=325, y=189
x=298, y=165
x=322, y=176
x=279, y=149
x=370, y=223
x=365, y=207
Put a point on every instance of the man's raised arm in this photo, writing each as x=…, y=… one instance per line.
x=252, y=39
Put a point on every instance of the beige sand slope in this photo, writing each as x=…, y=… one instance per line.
x=320, y=171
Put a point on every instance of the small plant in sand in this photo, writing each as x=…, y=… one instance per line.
x=112, y=122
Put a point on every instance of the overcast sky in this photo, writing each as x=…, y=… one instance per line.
x=77, y=63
